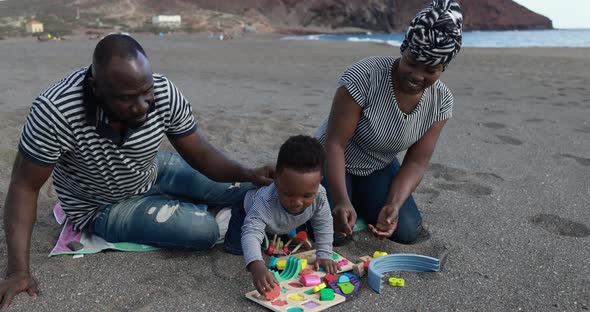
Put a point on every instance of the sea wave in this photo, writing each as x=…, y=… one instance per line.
x=394, y=43
x=484, y=39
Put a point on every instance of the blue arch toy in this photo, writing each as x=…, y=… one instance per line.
x=399, y=262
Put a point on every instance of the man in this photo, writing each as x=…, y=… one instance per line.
x=98, y=132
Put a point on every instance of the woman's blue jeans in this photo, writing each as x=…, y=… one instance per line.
x=368, y=195
x=173, y=214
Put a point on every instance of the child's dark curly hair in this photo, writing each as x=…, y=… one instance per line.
x=301, y=153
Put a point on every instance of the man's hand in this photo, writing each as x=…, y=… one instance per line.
x=14, y=284
x=328, y=264
x=263, y=280
x=386, y=222
x=344, y=218
x=262, y=176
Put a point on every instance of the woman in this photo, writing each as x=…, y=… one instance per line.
x=385, y=105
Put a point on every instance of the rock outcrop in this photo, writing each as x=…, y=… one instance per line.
x=285, y=16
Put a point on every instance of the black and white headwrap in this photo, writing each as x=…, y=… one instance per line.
x=434, y=35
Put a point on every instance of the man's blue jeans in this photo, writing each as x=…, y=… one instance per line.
x=173, y=214
x=368, y=195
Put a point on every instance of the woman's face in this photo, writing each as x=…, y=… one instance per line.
x=413, y=77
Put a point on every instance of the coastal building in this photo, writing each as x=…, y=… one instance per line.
x=169, y=21
x=34, y=27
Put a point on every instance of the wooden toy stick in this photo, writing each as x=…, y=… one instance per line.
x=302, y=238
x=271, y=246
x=292, y=236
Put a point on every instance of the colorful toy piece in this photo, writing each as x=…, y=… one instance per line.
x=344, y=289
x=301, y=237
x=296, y=297
x=359, y=269
x=291, y=270
x=303, y=263
x=327, y=294
x=350, y=275
x=273, y=293
x=342, y=262
x=343, y=279
x=306, y=271
x=271, y=247
x=272, y=263
x=281, y=264
x=378, y=254
x=399, y=262
x=310, y=280
x=365, y=260
x=396, y=282
x=329, y=278
x=319, y=287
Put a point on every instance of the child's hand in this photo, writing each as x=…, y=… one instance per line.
x=328, y=264
x=264, y=281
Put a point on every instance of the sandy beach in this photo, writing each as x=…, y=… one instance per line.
x=506, y=200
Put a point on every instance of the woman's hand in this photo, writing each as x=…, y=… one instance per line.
x=344, y=218
x=386, y=222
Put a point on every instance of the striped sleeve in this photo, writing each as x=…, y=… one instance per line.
x=323, y=227
x=182, y=121
x=356, y=80
x=446, y=107
x=44, y=135
x=253, y=230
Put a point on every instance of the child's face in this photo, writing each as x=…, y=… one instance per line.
x=297, y=190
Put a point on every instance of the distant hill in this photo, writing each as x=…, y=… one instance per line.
x=285, y=16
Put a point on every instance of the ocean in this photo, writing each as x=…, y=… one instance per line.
x=570, y=38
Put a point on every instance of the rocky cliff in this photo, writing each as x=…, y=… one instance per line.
x=287, y=16
x=378, y=15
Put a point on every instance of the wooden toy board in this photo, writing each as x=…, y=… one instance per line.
x=310, y=303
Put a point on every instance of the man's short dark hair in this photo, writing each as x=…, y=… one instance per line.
x=301, y=153
x=119, y=45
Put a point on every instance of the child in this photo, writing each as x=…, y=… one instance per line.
x=294, y=198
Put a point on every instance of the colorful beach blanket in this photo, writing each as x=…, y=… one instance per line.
x=88, y=242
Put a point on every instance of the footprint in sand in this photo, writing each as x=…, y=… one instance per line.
x=560, y=226
x=581, y=160
x=433, y=193
x=534, y=120
x=585, y=129
x=460, y=180
x=496, y=111
x=509, y=140
x=494, y=125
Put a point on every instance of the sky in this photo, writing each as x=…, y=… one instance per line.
x=563, y=13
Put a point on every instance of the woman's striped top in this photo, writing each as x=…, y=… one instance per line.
x=383, y=130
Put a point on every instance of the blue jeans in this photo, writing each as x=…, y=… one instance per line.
x=368, y=195
x=233, y=236
x=173, y=214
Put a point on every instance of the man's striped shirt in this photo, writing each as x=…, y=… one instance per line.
x=383, y=130
x=92, y=167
